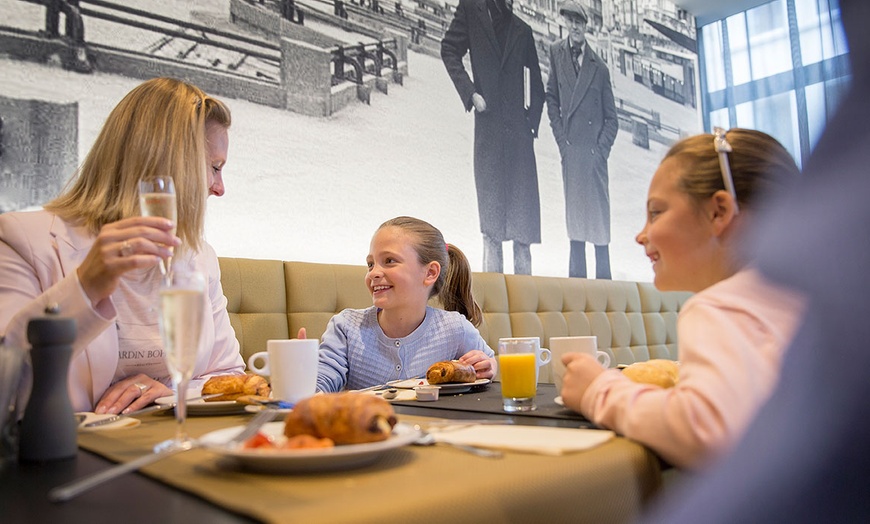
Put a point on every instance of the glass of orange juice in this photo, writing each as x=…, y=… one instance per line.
x=518, y=365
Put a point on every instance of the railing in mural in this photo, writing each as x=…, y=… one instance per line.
x=290, y=11
x=267, y=68
x=174, y=39
x=636, y=119
x=424, y=24
x=377, y=55
x=659, y=82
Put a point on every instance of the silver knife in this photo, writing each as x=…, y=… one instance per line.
x=253, y=426
x=387, y=385
x=150, y=409
x=77, y=487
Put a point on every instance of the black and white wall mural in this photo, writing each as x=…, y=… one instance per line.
x=344, y=114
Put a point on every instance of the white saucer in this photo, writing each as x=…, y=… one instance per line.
x=200, y=407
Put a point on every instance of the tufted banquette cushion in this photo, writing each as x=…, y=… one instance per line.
x=272, y=299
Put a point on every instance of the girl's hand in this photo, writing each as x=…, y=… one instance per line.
x=130, y=243
x=483, y=365
x=130, y=394
x=580, y=370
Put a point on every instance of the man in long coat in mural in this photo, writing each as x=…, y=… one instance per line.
x=583, y=117
x=507, y=95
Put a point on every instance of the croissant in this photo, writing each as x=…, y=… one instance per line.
x=450, y=371
x=346, y=418
x=660, y=372
x=235, y=386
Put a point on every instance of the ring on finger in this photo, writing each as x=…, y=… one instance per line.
x=142, y=388
x=126, y=249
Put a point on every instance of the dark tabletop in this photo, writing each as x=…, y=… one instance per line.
x=485, y=402
x=132, y=498
x=129, y=499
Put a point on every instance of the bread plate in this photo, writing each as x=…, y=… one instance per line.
x=201, y=408
x=451, y=388
x=304, y=460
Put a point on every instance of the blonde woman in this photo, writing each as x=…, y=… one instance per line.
x=90, y=251
x=702, y=199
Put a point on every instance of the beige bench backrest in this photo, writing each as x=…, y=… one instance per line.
x=256, y=301
x=271, y=299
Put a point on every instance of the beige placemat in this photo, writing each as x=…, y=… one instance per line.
x=527, y=439
x=424, y=484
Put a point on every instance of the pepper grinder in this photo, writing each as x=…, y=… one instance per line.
x=48, y=429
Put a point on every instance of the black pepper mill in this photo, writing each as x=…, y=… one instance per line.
x=48, y=429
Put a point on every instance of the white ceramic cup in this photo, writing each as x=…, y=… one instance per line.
x=561, y=345
x=291, y=366
x=542, y=355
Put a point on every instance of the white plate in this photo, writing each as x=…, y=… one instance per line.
x=452, y=388
x=558, y=400
x=304, y=460
x=203, y=408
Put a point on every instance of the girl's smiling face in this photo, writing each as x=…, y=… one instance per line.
x=678, y=236
x=396, y=279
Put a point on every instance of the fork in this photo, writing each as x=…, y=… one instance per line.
x=161, y=451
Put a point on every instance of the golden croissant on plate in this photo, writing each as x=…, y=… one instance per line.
x=346, y=418
x=235, y=386
x=450, y=371
x=658, y=371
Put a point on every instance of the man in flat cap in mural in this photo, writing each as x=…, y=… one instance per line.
x=507, y=96
x=583, y=117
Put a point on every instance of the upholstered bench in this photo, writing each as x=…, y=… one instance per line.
x=272, y=299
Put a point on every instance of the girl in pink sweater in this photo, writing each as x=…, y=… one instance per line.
x=731, y=333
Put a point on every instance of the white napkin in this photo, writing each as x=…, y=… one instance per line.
x=123, y=422
x=527, y=439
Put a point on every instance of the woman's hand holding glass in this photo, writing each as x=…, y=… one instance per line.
x=157, y=199
x=130, y=243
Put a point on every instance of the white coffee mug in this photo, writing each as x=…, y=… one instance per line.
x=291, y=366
x=542, y=355
x=561, y=345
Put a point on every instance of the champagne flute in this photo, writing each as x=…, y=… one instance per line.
x=182, y=308
x=157, y=199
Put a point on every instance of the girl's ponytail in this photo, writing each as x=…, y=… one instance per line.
x=456, y=293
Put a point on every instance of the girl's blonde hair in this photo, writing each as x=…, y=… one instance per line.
x=157, y=129
x=759, y=165
x=453, y=286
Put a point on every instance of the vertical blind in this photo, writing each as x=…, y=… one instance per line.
x=781, y=68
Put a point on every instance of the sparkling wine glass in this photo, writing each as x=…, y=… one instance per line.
x=157, y=199
x=182, y=308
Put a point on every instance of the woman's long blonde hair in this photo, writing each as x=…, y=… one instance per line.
x=157, y=129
